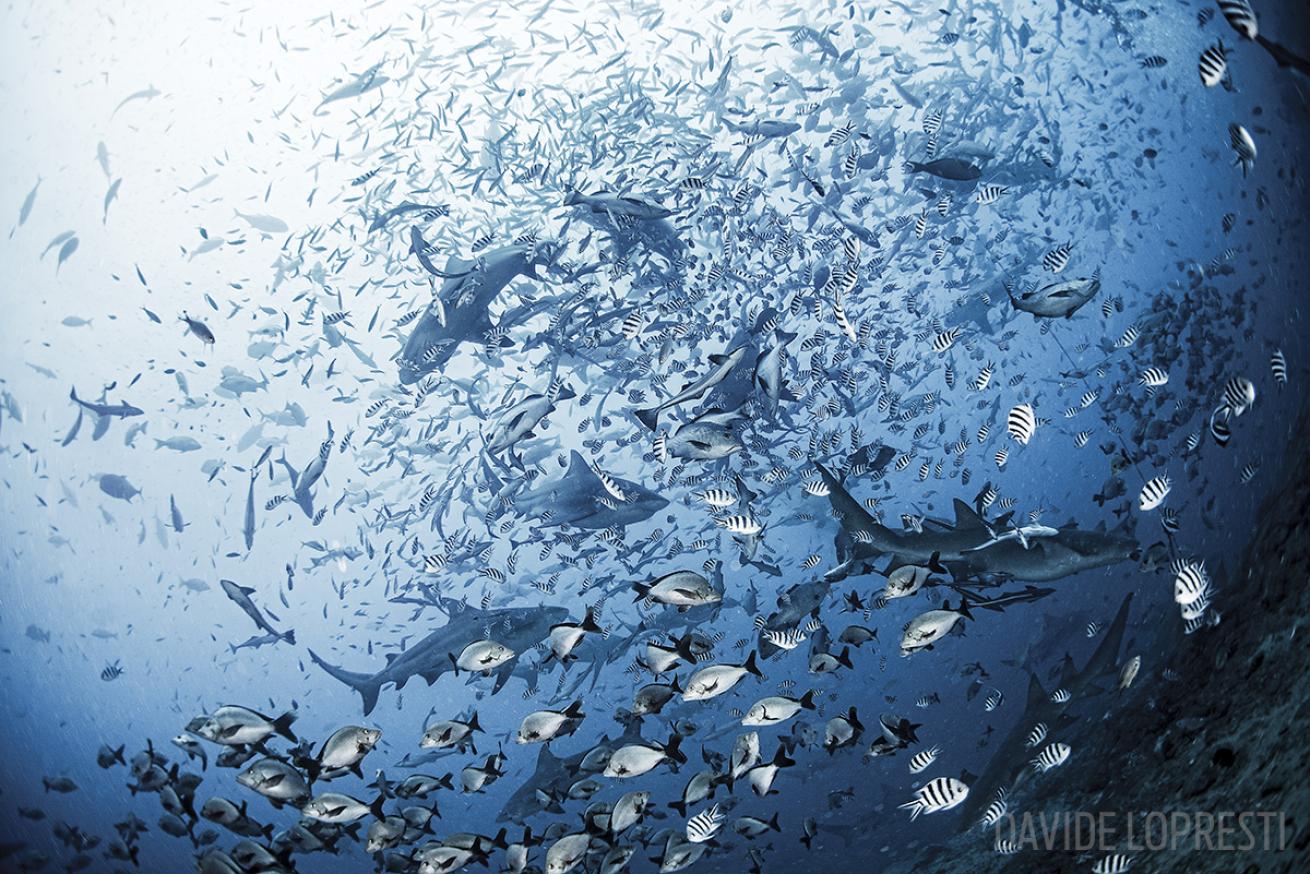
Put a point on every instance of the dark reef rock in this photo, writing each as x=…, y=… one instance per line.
x=1230, y=733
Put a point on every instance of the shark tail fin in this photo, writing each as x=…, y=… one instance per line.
x=366, y=685
x=289, y=636
x=935, y=565
x=807, y=700
x=473, y=723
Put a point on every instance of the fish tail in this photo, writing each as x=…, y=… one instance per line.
x=367, y=686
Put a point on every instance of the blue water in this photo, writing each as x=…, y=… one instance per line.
x=472, y=100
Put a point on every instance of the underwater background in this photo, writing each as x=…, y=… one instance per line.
x=206, y=225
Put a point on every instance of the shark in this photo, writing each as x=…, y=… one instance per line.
x=240, y=595
x=553, y=775
x=303, y=481
x=518, y=628
x=461, y=311
x=580, y=498
x=1010, y=761
x=960, y=546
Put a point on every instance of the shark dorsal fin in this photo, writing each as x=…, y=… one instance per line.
x=580, y=471
x=966, y=518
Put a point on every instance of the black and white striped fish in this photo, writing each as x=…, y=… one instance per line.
x=705, y=825
x=1089, y=397
x=1128, y=338
x=993, y=701
x=1169, y=520
x=1241, y=16
x=1037, y=735
x=932, y=122
x=1093, y=629
x=1212, y=65
x=995, y=811
x=923, y=759
x=1021, y=423
x=990, y=193
x=1219, y=429
x=1239, y=140
x=945, y=340
x=1154, y=62
x=1002, y=456
x=1191, y=582
x=1248, y=472
x=1061, y=696
x=743, y=524
x=1053, y=756
x=1115, y=863
x=984, y=377
x=851, y=163
x=1005, y=846
x=1080, y=439
x=1154, y=377
x=112, y=671
x=983, y=430
x=610, y=484
x=839, y=313
x=839, y=135
x=1058, y=258
x=941, y=793
x=633, y=324
x=1239, y=395
x=1278, y=367
x=1153, y=493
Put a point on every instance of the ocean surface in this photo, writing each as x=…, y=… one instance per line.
x=357, y=308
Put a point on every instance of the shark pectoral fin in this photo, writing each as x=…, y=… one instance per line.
x=966, y=518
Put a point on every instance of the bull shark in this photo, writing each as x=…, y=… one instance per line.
x=519, y=628
x=465, y=297
x=580, y=498
x=553, y=776
x=303, y=481
x=240, y=596
x=960, y=546
x=720, y=367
